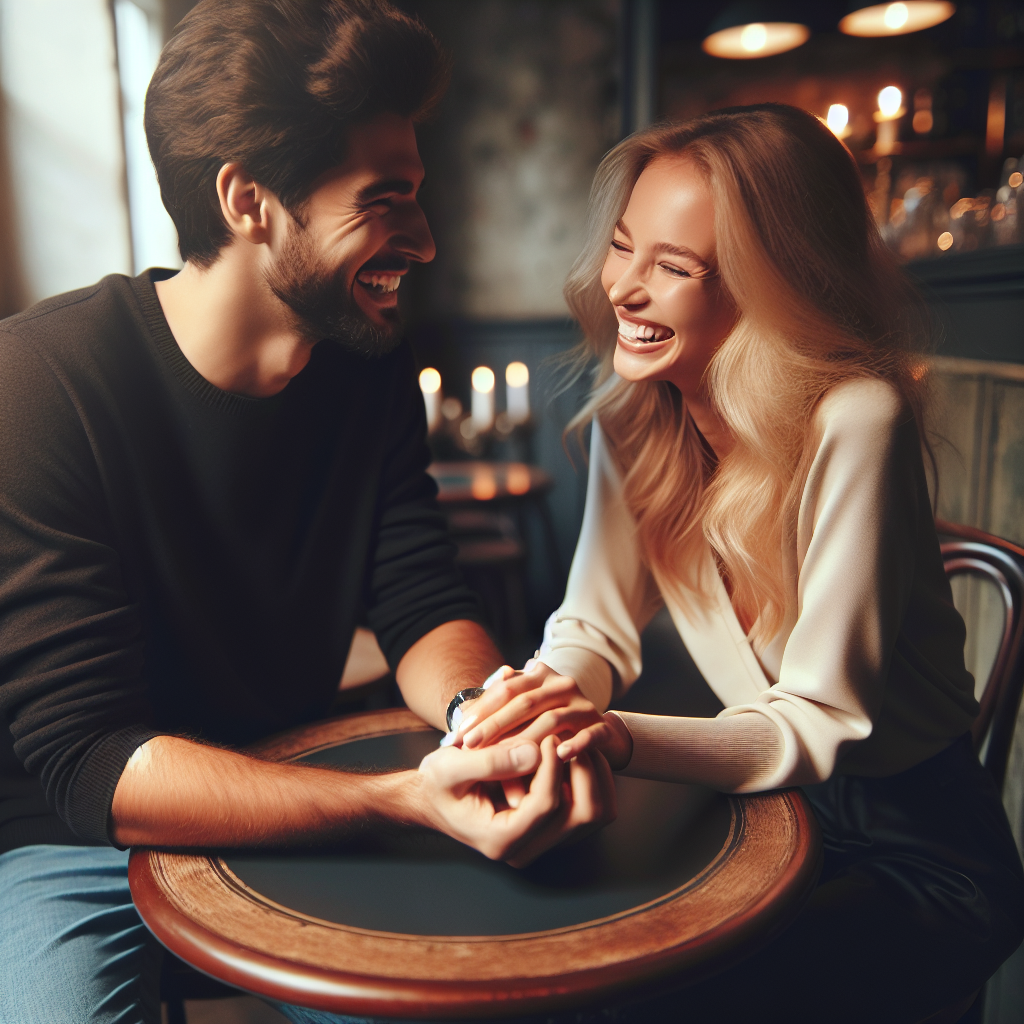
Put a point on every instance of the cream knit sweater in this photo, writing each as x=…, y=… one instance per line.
x=866, y=675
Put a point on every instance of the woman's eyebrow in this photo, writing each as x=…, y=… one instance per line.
x=680, y=250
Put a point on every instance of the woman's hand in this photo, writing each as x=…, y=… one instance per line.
x=539, y=703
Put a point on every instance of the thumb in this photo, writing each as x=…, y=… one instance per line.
x=453, y=766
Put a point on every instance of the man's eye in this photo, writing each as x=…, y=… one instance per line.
x=380, y=206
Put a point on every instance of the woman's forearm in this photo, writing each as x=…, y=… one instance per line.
x=174, y=792
x=730, y=754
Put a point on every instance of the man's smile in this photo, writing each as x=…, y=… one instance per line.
x=381, y=283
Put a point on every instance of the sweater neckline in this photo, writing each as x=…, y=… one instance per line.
x=186, y=374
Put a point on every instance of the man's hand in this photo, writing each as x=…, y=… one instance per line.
x=559, y=803
x=539, y=703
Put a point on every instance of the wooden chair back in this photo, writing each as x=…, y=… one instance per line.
x=966, y=549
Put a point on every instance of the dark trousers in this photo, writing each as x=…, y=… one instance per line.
x=920, y=900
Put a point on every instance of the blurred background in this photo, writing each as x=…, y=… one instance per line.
x=929, y=96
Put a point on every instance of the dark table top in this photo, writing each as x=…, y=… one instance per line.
x=413, y=924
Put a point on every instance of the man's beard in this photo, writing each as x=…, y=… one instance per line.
x=321, y=305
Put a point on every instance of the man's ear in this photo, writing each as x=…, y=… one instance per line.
x=244, y=203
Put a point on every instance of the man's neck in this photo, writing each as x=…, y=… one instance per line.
x=231, y=327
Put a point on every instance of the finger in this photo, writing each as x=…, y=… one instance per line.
x=497, y=676
x=538, y=822
x=521, y=708
x=561, y=722
x=515, y=790
x=499, y=693
x=452, y=767
x=591, y=806
x=584, y=740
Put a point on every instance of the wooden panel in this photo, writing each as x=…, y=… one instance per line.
x=1004, y=512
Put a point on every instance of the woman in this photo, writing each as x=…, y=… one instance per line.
x=756, y=465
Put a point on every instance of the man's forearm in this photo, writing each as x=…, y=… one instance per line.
x=448, y=659
x=174, y=792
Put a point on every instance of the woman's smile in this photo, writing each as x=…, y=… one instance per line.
x=661, y=278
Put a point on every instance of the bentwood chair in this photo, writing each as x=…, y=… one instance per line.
x=969, y=551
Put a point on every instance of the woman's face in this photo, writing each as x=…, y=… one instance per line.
x=661, y=277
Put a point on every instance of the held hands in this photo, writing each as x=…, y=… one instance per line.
x=480, y=797
x=538, y=703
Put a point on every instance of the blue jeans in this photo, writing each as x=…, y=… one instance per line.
x=73, y=949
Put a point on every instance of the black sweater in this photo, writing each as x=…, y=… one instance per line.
x=178, y=559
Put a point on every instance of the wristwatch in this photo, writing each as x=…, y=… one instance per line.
x=454, y=715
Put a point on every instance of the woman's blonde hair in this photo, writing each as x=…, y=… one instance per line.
x=819, y=300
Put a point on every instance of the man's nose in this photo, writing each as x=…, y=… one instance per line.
x=412, y=237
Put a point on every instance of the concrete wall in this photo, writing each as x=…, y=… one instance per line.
x=531, y=111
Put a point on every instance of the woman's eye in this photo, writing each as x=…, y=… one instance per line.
x=619, y=247
x=675, y=271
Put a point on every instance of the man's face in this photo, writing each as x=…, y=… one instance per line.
x=340, y=273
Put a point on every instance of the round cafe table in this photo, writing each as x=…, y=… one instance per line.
x=414, y=925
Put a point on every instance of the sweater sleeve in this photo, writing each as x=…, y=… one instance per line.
x=414, y=584
x=610, y=595
x=71, y=658
x=855, y=545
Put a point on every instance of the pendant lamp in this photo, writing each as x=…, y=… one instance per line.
x=896, y=19
x=746, y=31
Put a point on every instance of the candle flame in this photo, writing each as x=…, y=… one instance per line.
x=430, y=381
x=896, y=16
x=483, y=379
x=838, y=118
x=517, y=375
x=889, y=101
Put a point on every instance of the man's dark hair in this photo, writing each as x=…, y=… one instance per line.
x=275, y=85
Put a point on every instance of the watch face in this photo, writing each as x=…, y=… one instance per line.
x=454, y=715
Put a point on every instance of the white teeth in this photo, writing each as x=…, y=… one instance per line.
x=382, y=283
x=638, y=332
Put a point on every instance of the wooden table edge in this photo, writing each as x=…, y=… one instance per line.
x=320, y=988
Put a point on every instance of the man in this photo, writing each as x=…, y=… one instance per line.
x=200, y=497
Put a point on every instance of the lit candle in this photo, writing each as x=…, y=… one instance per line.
x=838, y=119
x=517, y=392
x=430, y=385
x=890, y=109
x=482, y=408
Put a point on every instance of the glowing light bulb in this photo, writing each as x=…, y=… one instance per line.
x=754, y=37
x=889, y=101
x=896, y=16
x=838, y=118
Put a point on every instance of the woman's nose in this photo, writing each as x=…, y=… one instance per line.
x=629, y=289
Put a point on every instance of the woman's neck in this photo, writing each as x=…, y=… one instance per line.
x=711, y=425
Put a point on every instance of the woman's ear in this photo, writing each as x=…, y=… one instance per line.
x=244, y=204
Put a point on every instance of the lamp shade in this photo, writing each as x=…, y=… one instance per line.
x=896, y=19
x=745, y=31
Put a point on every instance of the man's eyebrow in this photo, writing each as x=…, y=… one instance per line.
x=386, y=186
